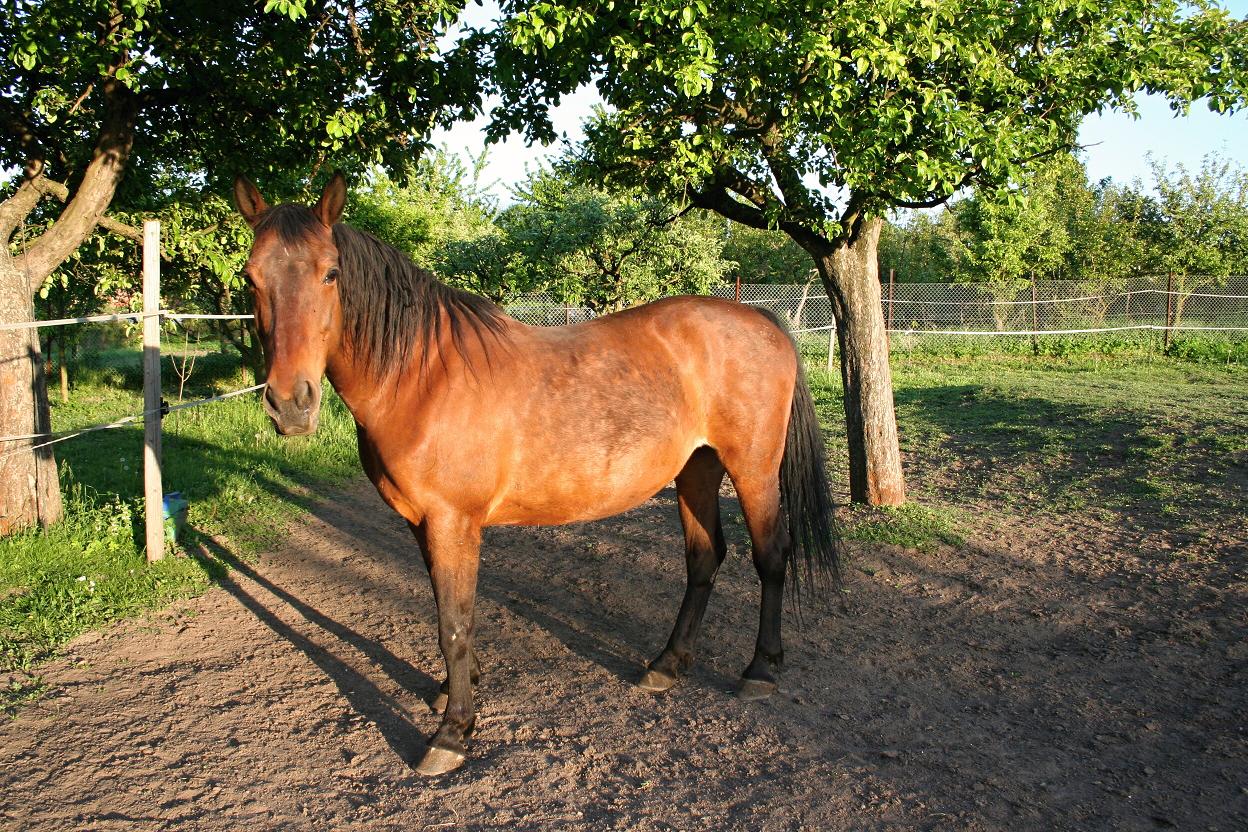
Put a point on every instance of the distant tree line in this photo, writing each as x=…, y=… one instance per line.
x=1059, y=226
x=584, y=246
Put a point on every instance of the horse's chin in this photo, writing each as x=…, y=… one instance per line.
x=287, y=429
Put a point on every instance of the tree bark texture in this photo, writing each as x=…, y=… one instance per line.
x=29, y=491
x=850, y=273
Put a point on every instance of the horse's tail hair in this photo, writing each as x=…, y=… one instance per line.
x=815, y=547
x=815, y=550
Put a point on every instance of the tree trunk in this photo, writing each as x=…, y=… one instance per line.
x=29, y=491
x=851, y=276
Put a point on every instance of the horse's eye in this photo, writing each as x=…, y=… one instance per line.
x=330, y=277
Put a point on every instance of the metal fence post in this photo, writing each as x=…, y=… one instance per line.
x=153, y=489
x=1035, y=324
x=1169, y=312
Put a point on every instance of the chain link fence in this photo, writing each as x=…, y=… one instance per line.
x=1048, y=315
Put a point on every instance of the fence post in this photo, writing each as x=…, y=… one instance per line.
x=889, y=325
x=1035, y=325
x=1169, y=312
x=153, y=489
x=737, y=297
x=831, y=343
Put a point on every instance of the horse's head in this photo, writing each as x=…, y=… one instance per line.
x=293, y=276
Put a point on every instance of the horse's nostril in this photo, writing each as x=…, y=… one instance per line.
x=271, y=399
x=304, y=395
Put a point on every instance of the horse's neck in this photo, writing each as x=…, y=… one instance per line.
x=369, y=396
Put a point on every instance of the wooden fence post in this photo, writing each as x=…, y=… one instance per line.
x=153, y=489
x=831, y=343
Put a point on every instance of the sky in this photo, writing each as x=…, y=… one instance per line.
x=1116, y=145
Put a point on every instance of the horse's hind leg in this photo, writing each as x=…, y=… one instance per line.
x=697, y=491
x=760, y=503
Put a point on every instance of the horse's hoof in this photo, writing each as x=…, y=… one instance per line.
x=752, y=690
x=440, y=761
x=438, y=705
x=654, y=681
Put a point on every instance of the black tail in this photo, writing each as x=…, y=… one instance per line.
x=804, y=495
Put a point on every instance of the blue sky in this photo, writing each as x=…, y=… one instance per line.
x=1117, y=146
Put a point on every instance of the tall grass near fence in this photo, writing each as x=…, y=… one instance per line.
x=242, y=481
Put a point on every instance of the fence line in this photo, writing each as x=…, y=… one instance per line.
x=154, y=407
x=186, y=316
x=164, y=410
x=89, y=319
x=926, y=314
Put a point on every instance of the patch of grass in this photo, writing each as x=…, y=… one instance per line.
x=912, y=525
x=243, y=482
x=1149, y=441
x=19, y=690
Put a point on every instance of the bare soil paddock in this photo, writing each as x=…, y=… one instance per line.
x=1045, y=675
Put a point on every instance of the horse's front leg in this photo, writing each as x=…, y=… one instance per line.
x=451, y=546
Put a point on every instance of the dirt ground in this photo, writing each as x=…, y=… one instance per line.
x=1080, y=677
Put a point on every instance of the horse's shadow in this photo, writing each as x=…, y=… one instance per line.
x=388, y=714
x=615, y=629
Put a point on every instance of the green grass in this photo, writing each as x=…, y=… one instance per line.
x=242, y=481
x=1152, y=442
x=912, y=525
x=1225, y=349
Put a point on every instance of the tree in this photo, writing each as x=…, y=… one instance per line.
x=1106, y=243
x=435, y=204
x=1008, y=238
x=763, y=256
x=1197, y=226
x=106, y=98
x=921, y=246
x=608, y=251
x=817, y=118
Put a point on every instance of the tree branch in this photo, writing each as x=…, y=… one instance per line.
x=15, y=209
x=61, y=193
x=82, y=213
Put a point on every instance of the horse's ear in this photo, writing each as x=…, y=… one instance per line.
x=248, y=200
x=333, y=199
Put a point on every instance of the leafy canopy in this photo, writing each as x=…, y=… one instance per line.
x=226, y=85
x=812, y=115
x=1197, y=226
x=606, y=251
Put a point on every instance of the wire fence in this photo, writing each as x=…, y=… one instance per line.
x=154, y=407
x=954, y=316
x=926, y=316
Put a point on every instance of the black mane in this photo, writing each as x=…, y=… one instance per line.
x=390, y=306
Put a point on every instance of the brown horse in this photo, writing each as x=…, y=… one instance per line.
x=468, y=418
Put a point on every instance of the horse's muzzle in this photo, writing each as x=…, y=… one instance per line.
x=298, y=414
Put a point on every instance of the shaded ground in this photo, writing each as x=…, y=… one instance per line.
x=1044, y=675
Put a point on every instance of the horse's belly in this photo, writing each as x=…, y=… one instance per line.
x=584, y=487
